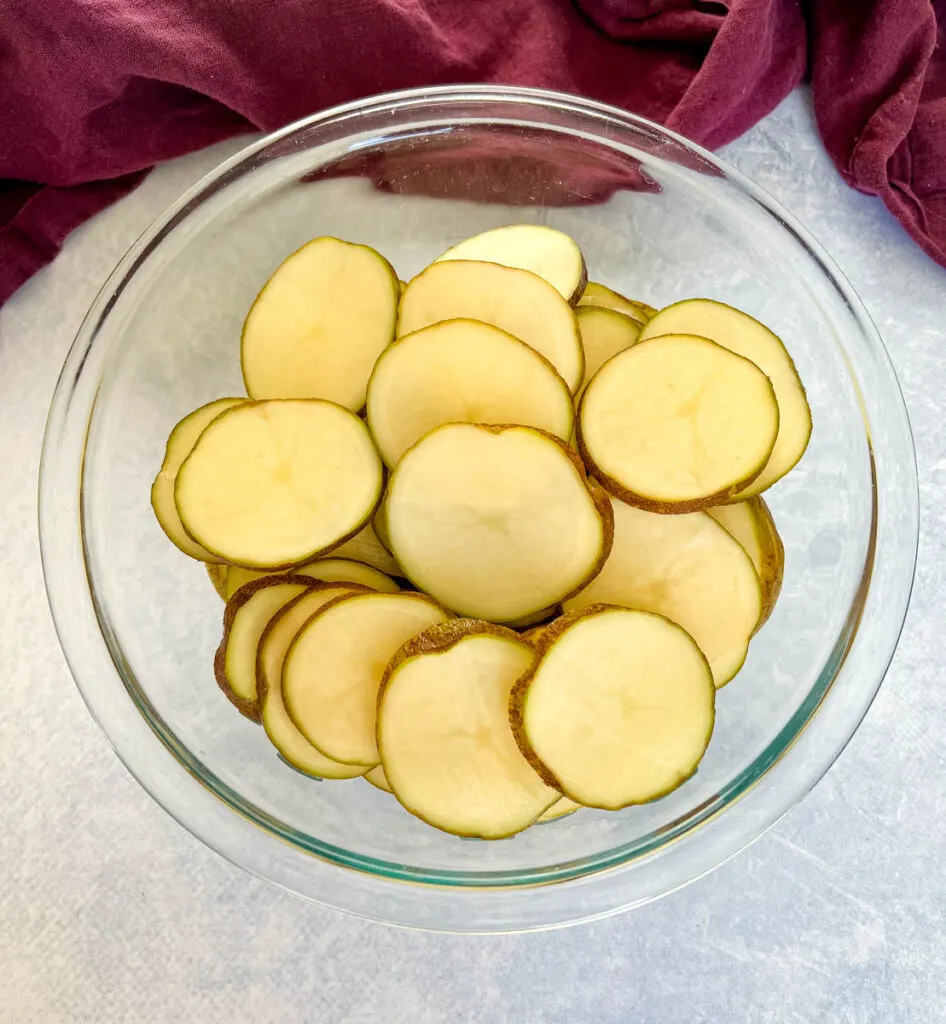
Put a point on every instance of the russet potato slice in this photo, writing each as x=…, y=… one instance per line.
x=740, y=333
x=495, y=522
x=677, y=424
x=446, y=745
x=618, y=708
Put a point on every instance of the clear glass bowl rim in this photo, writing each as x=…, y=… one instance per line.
x=771, y=785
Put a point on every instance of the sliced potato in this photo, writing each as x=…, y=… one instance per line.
x=560, y=809
x=443, y=731
x=688, y=569
x=516, y=301
x=379, y=522
x=545, y=251
x=618, y=709
x=450, y=373
x=319, y=324
x=273, y=645
x=180, y=444
x=542, y=616
x=741, y=334
x=604, y=333
x=245, y=617
x=328, y=570
x=272, y=484
x=377, y=778
x=366, y=547
x=495, y=522
x=677, y=423
x=333, y=669
x=750, y=523
x=218, y=577
x=607, y=298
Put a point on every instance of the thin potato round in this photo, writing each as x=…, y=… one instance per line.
x=273, y=645
x=443, y=731
x=378, y=779
x=495, y=522
x=328, y=570
x=677, y=424
x=740, y=333
x=516, y=301
x=180, y=444
x=366, y=547
x=688, y=569
x=272, y=484
x=545, y=251
x=245, y=617
x=333, y=669
x=617, y=710
x=560, y=809
x=217, y=572
x=604, y=333
x=750, y=523
x=600, y=295
x=461, y=371
x=319, y=324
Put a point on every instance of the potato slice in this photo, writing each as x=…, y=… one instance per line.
x=333, y=669
x=741, y=334
x=604, y=333
x=560, y=809
x=516, y=301
x=688, y=569
x=750, y=522
x=378, y=779
x=547, y=252
x=366, y=547
x=617, y=710
x=245, y=617
x=328, y=570
x=180, y=444
x=447, y=373
x=319, y=324
x=273, y=484
x=495, y=522
x=677, y=424
x=273, y=645
x=218, y=577
x=607, y=298
x=443, y=731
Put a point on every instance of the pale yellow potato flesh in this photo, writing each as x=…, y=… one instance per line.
x=677, y=423
x=601, y=295
x=545, y=251
x=275, y=642
x=560, y=809
x=446, y=745
x=619, y=709
x=319, y=324
x=516, y=301
x=461, y=371
x=604, y=333
x=366, y=547
x=377, y=778
x=217, y=571
x=334, y=668
x=180, y=444
x=745, y=336
x=750, y=523
x=495, y=523
x=271, y=484
x=688, y=569
x=328, y=570
x=243, y=638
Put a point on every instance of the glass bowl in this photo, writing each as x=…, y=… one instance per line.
x=411, y=173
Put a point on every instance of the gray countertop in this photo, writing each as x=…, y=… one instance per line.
x=110, y=912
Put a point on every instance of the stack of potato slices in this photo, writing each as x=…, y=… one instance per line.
x=491, y=539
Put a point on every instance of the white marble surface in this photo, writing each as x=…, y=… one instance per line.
x=110, y=912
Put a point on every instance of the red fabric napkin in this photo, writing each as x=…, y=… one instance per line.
x=94, y=92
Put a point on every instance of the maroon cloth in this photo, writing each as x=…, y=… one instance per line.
x=94, y=92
